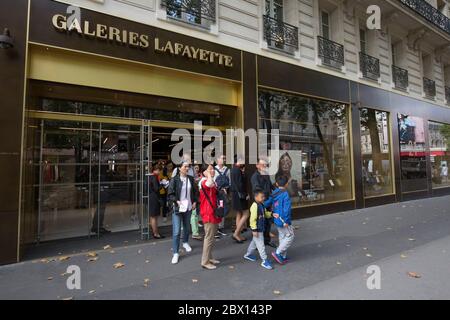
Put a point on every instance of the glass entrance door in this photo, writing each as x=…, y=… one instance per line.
x=86, y=178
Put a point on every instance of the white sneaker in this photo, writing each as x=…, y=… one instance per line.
x=187, y=247
x=175, y=258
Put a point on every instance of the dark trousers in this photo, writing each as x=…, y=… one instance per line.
x=267, y=227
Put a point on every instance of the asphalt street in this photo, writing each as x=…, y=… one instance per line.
x=409, y=242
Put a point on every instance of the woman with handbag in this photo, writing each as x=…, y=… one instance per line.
x=239, y=198
x=210, y=212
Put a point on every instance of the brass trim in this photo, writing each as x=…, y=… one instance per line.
x=350, y=140
x=22, y=151
x=416, y=191
x=115, y=120
x=324, y=203
x=302, y=94
x=391, y=154
x=380, y=196
x=132, y=61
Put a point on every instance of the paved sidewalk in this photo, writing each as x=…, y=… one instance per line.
x=329, y=260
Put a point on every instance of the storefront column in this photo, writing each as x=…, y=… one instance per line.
x=250, y=98
x=14, y=16
x=357, y=155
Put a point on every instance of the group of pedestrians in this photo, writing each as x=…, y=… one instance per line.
x=208, y=192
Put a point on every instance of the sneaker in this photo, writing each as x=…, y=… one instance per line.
x=175, y=258
x=267, y=264
x=250, y=257
x=197, y=237
x=187, y=247
x=285, y=259
x=221, y=232
x=278, y=258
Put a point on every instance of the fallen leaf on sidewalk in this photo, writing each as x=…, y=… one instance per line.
x=194, y=280
x=92, y=292
x=338, y=263
x=45, y=260
x=277, y=292
x=146, y=282
x=147, y=261
x=92, y=259
x=50, y=278
x=65, y=258
x=412, y=239
x=403, y=256
x=118, y=265
x=68, y=299
x=414, y=275
x=139, y=251
x=368, y=255
x=92, y=254
x=107, y=247
x=231, y=267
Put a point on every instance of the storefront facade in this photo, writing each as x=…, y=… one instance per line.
x=99, y=98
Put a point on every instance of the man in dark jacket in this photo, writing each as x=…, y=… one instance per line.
x=261, y=181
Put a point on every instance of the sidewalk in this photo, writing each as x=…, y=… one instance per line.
x=329, y=260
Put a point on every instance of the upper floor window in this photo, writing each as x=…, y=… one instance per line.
x=198, y=12
x=363, y=40
x=274, y=9
x=325, y=24
x=394, y=55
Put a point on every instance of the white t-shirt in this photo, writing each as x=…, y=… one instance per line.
x=185, y=196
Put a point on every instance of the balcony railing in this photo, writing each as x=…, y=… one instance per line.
x=447, y=95
x=429, y=88
x=331, y=53
x=280, y=35
x=430, y=13
x=400, y=78
x=193, y=11
x=369, y=66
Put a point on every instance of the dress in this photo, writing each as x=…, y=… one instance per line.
x=154, y=206
x=238, y=186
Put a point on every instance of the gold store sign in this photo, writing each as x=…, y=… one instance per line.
x=143, y=41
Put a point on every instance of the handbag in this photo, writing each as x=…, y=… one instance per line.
x=219, y=212
x=242, y=195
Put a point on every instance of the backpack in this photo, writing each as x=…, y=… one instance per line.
x=222, y=181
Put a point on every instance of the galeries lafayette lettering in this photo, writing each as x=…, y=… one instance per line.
x=143, y=41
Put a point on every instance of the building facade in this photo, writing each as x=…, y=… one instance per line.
x=92, y=90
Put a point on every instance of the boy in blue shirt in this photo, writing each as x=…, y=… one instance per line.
x=282, y=213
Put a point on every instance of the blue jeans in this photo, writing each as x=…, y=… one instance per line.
x=178, y=219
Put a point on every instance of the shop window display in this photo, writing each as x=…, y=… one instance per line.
x=314, y=146
x=376, y=153
x=439, y=153
x=413, y=153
